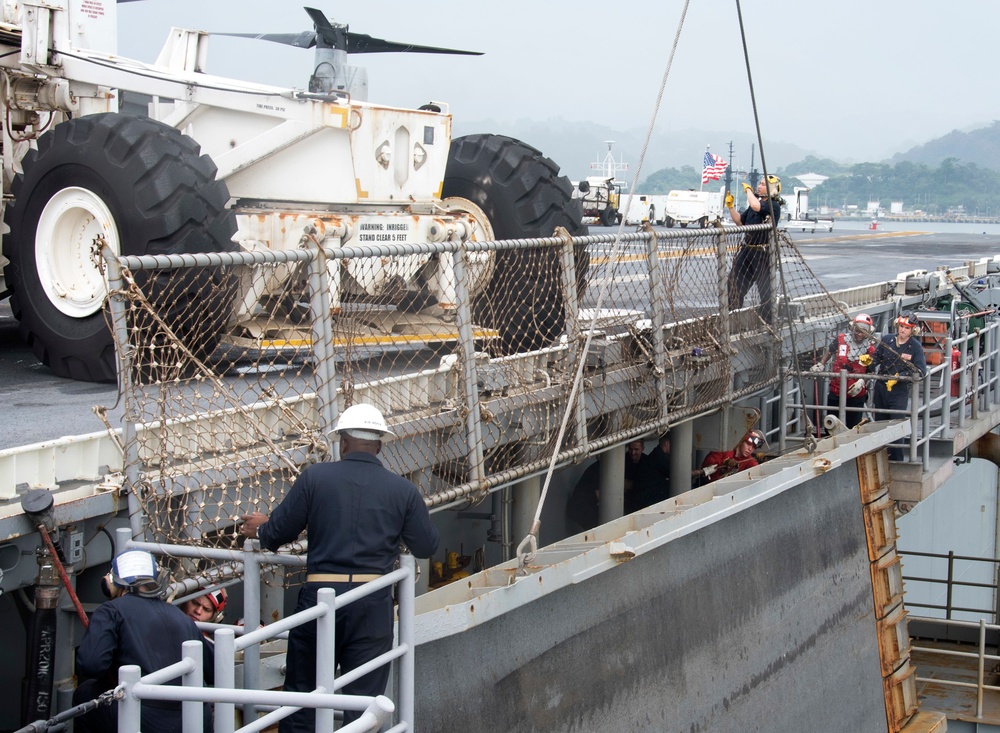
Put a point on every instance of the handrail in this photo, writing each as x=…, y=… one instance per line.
x=972, y=391
x=980, y=655
x=951, y=582
x=376, y=711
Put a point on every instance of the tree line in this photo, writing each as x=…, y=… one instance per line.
x=934, y=190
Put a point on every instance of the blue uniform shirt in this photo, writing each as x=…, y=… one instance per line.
x=749, y=216
x=130, y=629
x=905, y=361
x=357, y=512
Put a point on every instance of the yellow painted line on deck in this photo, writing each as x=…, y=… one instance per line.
x=386, y=339
x=707, y=251
x=865, y=235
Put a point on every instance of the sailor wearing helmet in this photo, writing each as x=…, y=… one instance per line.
x=752, y=264
x=897, y=355
x=853, y=352
x=137, y=626
x=206, y=608
x=719, y=464
x=357, y=512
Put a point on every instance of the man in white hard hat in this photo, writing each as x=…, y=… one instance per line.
x=357, y=513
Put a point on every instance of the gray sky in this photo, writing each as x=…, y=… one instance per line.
x=853, y=79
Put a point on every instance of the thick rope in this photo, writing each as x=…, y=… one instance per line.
x=528, y=547
x=776, y=248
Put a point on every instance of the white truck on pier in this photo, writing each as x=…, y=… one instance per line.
x=693, y=207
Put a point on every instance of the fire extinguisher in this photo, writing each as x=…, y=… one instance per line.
x=956, y=358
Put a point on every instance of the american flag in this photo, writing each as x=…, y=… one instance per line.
x=714, y=167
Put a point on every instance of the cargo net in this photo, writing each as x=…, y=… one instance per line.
x=237, y=371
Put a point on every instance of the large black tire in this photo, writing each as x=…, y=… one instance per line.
x=609, y=216
x=162, y=198
x=522, y=195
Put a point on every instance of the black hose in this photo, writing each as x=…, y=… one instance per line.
x=41, y=656
x=58, y=722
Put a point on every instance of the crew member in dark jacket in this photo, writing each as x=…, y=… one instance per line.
x=897, y=355
x=136, y=627
x=356, y=513
x=752, y=264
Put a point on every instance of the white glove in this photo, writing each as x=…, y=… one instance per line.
x=709, y=470
x=855, y=389
x=817, y=367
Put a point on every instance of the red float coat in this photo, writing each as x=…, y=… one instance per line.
x=728, y=463
x=846, y=356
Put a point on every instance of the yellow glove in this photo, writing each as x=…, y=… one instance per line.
x=865, y=360
x=890, y=384
x=747, y=187
x=730, y=201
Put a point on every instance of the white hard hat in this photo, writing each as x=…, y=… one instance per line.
x=363, y=422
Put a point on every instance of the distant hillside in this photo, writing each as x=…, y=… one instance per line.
x=575, y=145
x=981, y=147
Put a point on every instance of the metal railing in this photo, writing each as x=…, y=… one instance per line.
x=934, y=411
x=980, y=655
x=951, y=583
x=192, y=693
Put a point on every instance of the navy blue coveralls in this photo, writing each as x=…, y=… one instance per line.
x=752, y=264
x=356, y=512
x=892, y=360
x=131, y=629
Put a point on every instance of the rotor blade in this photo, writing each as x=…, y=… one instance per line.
x=306, y=39
x=322, y=23
x=361, y=43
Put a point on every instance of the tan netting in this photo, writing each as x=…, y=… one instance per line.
x=235, y=383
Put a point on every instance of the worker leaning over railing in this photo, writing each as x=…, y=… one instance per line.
x=897, y=355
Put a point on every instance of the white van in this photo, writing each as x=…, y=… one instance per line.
x=693, y=207
x=640, y=207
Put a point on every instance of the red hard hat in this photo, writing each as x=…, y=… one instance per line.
x=863, y=322
x=217, y=598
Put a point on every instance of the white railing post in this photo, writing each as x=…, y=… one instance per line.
x=251, y=618
x=129, y=707
x=326, y=638
x=192, y=711
x=225, y=678
x=979, y=677
x=406, y=597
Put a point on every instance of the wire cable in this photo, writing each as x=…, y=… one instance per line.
x=528, y=547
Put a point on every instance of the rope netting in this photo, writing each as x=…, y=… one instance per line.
x=238, y=371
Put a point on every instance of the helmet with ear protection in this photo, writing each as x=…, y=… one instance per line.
x=133, y=571
x=217, y=598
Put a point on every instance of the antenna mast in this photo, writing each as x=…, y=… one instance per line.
x=609, y=166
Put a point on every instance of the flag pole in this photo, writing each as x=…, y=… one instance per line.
x=704, y=160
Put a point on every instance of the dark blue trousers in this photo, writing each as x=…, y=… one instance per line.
x=364, y=630
x=897, y=399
